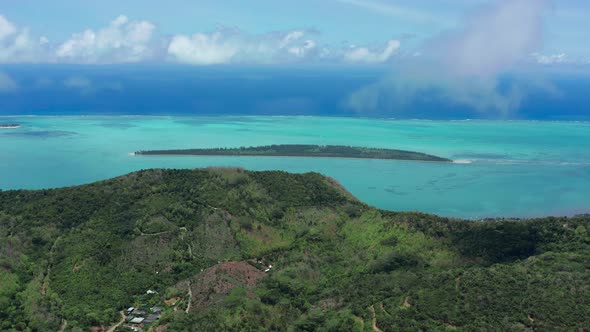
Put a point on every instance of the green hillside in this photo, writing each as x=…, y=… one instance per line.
x=229, y=249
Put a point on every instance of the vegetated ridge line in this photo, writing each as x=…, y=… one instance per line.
x=301, y=150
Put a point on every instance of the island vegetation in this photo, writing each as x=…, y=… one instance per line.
x=235, y=250
x=302, y=150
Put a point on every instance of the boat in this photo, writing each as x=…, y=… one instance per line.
x=9, y=125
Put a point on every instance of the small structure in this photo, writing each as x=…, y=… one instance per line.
x=156, y=310
x=138, y=312
x=130, y=310
x=137, y=320
x=149, y=292
x=151, y=318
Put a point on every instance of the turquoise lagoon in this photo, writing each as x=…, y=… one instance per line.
x=503, y=168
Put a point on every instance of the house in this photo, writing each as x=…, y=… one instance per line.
x=156, y=310
x=138, y=312
x=137, y=320
x=130, y=310
x=151, y=318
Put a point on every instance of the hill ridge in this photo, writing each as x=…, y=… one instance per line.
x=320, y=258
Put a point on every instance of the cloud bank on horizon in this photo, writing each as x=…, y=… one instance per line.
x=465, y=66
x=126, y=40
x=130, y=41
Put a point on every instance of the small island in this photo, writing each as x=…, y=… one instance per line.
x=301, y=150
x=9, y=125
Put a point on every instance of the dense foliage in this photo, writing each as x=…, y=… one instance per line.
x=301, y=150
x=72, y=258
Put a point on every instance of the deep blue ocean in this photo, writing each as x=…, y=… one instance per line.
x=227, y=90
x=80, y=124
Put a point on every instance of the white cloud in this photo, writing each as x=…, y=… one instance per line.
x=302, y=50
x=6, y=28
x=463, y=66
x=126, y=41
x=493, y=39
x=121, y=42
x=290, y=37
x=202, y=49
x=551, y=58
x=16, y=44
x=234, y=46
x=364, y=55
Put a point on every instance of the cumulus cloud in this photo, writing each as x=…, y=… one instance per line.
x=464, y=66
x=122, y=41
x=364, y=55
x=490, y=42
x=235, y=46
x=551, y=58
x=202, y=49
x=16, y=45
x=7, y=28
x=127, y=41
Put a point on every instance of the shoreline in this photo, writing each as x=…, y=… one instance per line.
x=135, y=154
x=302, y=150
x=454, y=162
x=567, y=213
x=580, y=121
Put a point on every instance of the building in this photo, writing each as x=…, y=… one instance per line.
x=151, y=318
x=137, y=320
x=138, y=312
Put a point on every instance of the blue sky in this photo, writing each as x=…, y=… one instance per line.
x=339, y=20
x=483, y=55
x=355, y=31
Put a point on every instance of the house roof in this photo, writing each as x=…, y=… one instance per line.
x=137, y=320
x=151, y=318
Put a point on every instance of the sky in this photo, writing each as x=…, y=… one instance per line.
x=210, y=32
x=488, y=56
